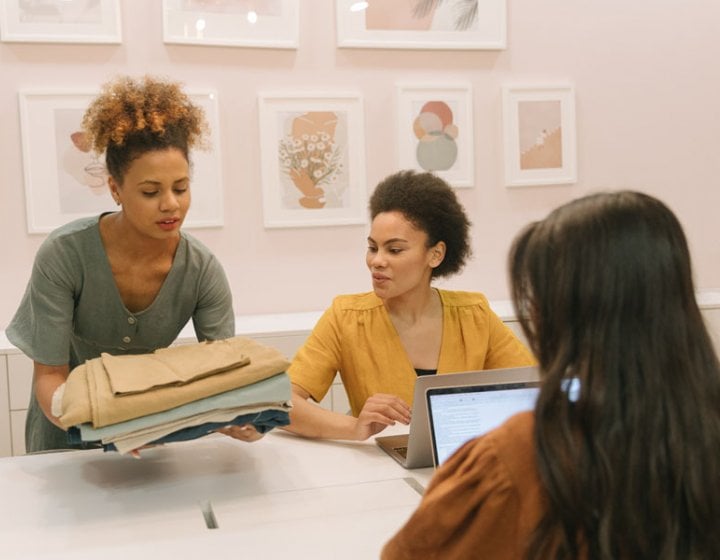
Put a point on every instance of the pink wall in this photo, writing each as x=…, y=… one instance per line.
x=647, y=85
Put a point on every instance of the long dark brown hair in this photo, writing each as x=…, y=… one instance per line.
x=631, y=465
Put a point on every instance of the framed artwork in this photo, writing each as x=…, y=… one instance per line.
x=234, y=23
x=313, y=159
x=422, y=24
x=539, y=134
x=65, y=180
x=435, y=131
x=60, y=21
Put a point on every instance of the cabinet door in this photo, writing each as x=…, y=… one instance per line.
x=5, y=446
x=712, y=321
x=19, y=374
x=17, y=426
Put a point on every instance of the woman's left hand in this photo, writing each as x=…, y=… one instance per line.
x=247, y=432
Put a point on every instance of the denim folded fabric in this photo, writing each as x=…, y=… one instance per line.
x=263, y=422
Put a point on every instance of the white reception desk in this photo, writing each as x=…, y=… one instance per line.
x=281, y=497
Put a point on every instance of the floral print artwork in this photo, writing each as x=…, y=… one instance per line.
x=311, y=155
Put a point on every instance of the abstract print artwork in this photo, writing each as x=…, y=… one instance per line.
x=422, y=24
x=422, y=15
x=436, y=133
x=435, y=130
x=540, y=134
x=312, y=159
x=539, y=129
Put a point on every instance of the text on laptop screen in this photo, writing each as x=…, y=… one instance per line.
x=458, y=414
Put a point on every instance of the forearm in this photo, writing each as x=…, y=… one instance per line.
x=312, y=421
x=46, y=380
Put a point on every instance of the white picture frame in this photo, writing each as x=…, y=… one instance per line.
x=64, y=180
x=539, y=134
x=435, y=130
x=60, y=21
x=236, y=23
x=422, y=24
x=313, y=159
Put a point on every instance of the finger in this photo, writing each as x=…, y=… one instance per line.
x=251, y=433
x=244, y=433
x=376, y=418
x=398, y=414
x=391, y=400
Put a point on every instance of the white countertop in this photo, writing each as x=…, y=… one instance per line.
x=281, y=497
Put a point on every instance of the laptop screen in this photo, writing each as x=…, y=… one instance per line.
x=458, y=414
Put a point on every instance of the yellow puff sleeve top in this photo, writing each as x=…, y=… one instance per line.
x=356, y=338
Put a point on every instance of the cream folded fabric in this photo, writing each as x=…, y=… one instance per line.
x=137, y=439
x=172, y=366
x=89, y=396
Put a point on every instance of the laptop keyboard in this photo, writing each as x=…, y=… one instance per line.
x=401, y=450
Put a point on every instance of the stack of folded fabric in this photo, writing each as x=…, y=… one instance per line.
x=175, y=394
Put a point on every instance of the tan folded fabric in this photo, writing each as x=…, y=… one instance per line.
x=89, y=397
x=172, y=366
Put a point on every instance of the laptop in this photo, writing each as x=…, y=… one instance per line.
x=414, y=449
x=459, y=414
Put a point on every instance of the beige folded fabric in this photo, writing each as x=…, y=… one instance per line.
x=89, y=397
x=172, y=366
x=135, y=440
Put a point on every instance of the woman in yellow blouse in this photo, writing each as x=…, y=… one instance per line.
x=380, y=341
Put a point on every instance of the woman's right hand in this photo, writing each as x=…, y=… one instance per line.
x=310, y=420
x=380, y=411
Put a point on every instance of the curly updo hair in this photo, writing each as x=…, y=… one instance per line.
x=430, y=204
x=133, y=116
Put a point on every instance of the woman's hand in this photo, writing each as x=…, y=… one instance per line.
x=380, y=411
x=313, y=421
x=246, y=432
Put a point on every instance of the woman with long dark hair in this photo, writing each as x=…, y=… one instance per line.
x=620, y=458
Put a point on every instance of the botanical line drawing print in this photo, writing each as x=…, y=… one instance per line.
x=436, y=133
x=79, y=169
x=421, y=15
x=96, y=171
x=311, y=155
x=540, y=134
